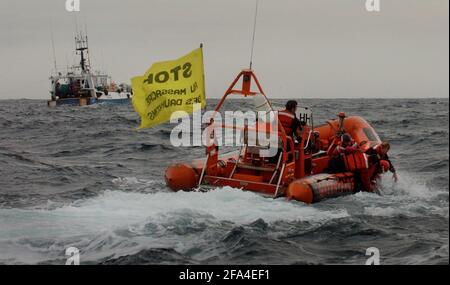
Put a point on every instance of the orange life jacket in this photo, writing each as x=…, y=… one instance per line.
x=287, y=120
x=343, y=149
x=356, y=161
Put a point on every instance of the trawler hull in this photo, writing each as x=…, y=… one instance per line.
x=72, y=102
x=105, y=100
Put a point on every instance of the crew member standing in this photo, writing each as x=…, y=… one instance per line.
x=291, y=124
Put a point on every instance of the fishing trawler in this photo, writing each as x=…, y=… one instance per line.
x=80, y=86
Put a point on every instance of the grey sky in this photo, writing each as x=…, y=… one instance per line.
x=303, y=48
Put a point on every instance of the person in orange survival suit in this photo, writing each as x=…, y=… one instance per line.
x=345, y=146
x=376, y=156
x=379, y=155
x=291, y=124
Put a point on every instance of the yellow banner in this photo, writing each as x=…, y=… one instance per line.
x=169, y=86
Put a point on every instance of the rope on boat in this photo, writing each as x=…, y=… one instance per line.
x=254, y=31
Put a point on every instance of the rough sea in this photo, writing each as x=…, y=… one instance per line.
x=84, y=177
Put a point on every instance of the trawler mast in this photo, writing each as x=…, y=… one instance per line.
x=81, y=45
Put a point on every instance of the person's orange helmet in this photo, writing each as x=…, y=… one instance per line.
x=384, y=165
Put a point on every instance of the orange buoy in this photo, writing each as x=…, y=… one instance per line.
x=181, y=177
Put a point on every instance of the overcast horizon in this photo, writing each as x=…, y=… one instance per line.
x=303, y=49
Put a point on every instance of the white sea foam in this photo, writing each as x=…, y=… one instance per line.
x=95, y=224
x=410, y=196
x=409, y=185
x=115, y=209
x=122, y=222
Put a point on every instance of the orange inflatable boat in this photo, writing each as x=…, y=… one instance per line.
x=298, y=171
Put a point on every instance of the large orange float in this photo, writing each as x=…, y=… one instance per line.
x=299, y=169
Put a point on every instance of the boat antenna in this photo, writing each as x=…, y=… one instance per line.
x=67, y=62
x=254, y=31
x=76, y=23
x=102, y=61
x=87, y=43
x=85, y=25
x=53, y=46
